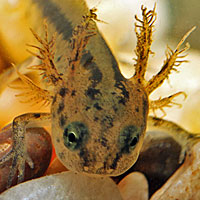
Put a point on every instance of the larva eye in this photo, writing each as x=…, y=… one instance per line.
x=128, y=138
x=75, y=135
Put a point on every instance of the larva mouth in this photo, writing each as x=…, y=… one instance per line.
x=98, y=172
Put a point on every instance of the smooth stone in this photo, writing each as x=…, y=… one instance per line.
x=39, y=147
x=185, y=183
x=134, y=187
x=65, y=186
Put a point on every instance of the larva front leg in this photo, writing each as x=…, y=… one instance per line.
x=19, y=153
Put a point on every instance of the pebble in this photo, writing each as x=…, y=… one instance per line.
x=134, y=187
x=185, y=183
x=39, y=148
x=65, y=186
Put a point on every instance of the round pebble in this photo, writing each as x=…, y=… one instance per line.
x=134, y=187
x=39, y=148
x=66, y=185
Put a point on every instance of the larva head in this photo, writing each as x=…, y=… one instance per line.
x=99, y=130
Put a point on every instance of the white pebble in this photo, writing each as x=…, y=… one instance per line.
x=134, y=187
x=64, y=186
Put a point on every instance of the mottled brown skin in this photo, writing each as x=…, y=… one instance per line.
x=105, y=110
x=98, y=117
x=95, y=93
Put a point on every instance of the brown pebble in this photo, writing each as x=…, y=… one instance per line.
x=39, y=148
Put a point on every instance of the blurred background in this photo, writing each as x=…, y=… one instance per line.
x=174, y=19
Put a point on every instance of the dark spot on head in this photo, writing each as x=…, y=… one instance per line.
x=108, y=147
x=54, y=100
x=115, y=161
x=37, y=115
x=84, y=155
x=139, y=81
x=62, y=121
x=63, y=92
x=138, y=90
x=59, y=58
x=72, y=67
x=103, y=141
x=96, y=119
x=97, y=106
x=107, y=121
x=57, y=140
x=124, y=97
x=73, y=93
x=61, y=107
x=88, y=63
x=87, y=60
x=115, y=108
x=96, y=77
x=92, y=93
x=137, y=109
x=122, y=101
x=87, y=108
